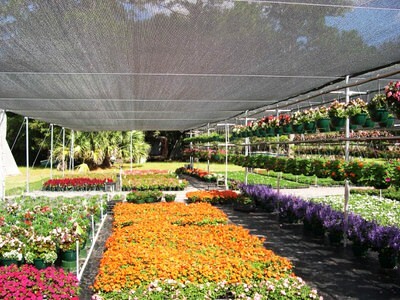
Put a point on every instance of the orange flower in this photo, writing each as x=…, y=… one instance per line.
x=164, y=241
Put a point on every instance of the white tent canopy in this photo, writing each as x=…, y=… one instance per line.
x=178, y=65
x=8, y=165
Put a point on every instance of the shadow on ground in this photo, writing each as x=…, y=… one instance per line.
x=333, y=271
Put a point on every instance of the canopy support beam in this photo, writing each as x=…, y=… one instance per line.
x=27, y=152
x=51, y=149
x=2, y=155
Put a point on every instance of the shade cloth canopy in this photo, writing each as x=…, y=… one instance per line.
x=177, y=65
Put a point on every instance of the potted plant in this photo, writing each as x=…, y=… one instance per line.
x=332, y=221
x=244, y=203
x=357, y=111
x=322, y=119
x=11, y=249
x=267, y=124
x=298, y=119
x=337, y=113
x=388, y=123
x=169, y=197
x=41, y=251
x=358, y=232
x=385, y=240
x=392, y=92
x=378, y=108
x=309, y=120
x=286, y=123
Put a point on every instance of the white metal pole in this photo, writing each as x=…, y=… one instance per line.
x=63, y=153
x=208, y=149
x=226, y=155
x=130, y=149
x=346, y=181
x=77, y=258
x=2, y=153
x=51, y=150
x=246, y=153
x=191, y=154
x=71, y=156
x=27, y=152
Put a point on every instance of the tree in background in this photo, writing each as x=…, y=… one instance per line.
x=92, y=148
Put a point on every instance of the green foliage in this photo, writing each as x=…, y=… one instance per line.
x=279, y=289
x=253, y=178
x=379, y=101
x=139, y=197
x=377, y=175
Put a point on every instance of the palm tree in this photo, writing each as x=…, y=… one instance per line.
x=97, y=148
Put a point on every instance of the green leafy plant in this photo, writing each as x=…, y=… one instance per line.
x=139, y=197
x=379, y=101
x=337, y=109
x=378, y=175
x=321, y=112
x=169, y=197
x=356, y=107
x=392, y=91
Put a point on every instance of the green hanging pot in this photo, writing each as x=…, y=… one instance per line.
x=388, y=123
x=309, y=127
x=298, y=128
x=358, y=119
x=379, y=115
x=369, y=123
x=287, y=128
x=270, y=131
x=338, y=122
x=323, y=125
x=278, y=130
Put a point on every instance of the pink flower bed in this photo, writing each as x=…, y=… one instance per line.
x=27, y=282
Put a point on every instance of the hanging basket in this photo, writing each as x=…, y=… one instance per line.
x=287, y=128
x=278, y=130
x=270, y=131
x=298, y=128
x=388, y=123
x=358, y=119
x=338, y=122
x=379, y=115
x=369, y=123
x=309, y=127
x=323, y=125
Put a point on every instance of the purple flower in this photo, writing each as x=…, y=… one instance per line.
x=382, y=237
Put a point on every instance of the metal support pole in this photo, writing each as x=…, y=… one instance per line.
x=208, y=149
x=63, y=153
x=346, y=182
x=191, y=154
x=2, y=153
x=71, y=156
x=246, y=152
x=226, y=155
x=77, y=257
x=51, y=150
x=27, y=152
x=130, y=149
